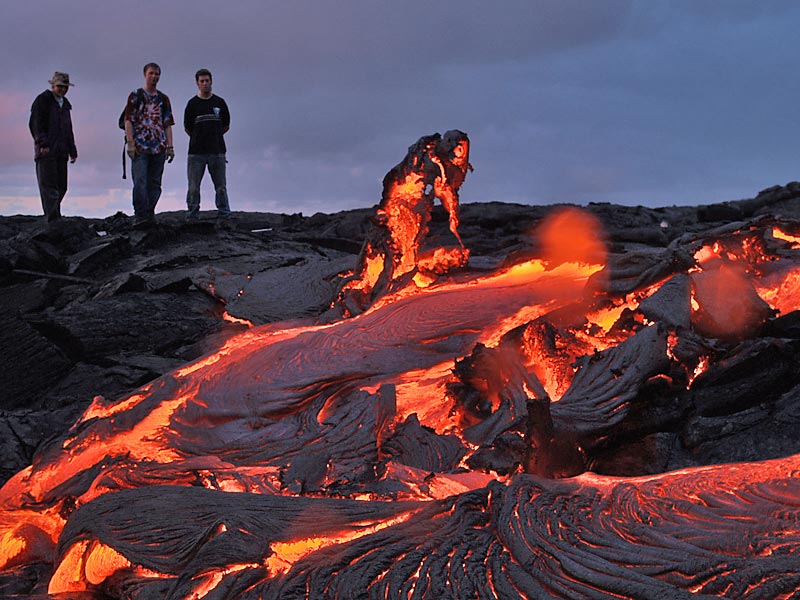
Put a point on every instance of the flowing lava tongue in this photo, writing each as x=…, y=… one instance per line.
x=385, y=454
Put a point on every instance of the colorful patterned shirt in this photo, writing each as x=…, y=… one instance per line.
x=150, y=116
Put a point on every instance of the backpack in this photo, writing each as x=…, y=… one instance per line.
x=121, y=123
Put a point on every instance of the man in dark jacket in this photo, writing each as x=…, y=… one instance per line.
x=53, y=142
x=206, y=120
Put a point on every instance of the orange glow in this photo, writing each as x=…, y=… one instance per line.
x=781, y=235
x=209, y=581
x=22, y=542
x=572, y=235
x=100, y=408
x=781, y=290
x=69, y=576
x=102, y=562
x=285, y=554
x=12, y=545
x=231, y=319
x=421, y=391
x=434, y=167
x=727, y=304
x=537, y=318
x=89, y=563
x=702, y=367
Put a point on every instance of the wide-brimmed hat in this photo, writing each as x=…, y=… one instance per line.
x=60, y=78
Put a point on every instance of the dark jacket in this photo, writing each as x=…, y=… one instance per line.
x=51, y=127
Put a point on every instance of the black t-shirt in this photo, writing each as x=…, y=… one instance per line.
x=205, y=120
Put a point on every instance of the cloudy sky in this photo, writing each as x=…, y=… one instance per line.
x=645, y=102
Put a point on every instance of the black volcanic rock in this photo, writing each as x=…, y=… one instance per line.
x=92, y=310
x=96, y=307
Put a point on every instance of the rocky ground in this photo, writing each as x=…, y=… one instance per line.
x=95, y=307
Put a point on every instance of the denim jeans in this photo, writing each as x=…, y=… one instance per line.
x=146, y=172
x=51, y=174
x=195, y=167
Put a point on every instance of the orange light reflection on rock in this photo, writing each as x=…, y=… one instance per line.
x=781, y=291
x=87, y=564
x=69, y=576
x=727, y=305
x=230, y=318
x=142, y=443
x=285, y=554
x=566, y=281
x=777, y=233
x=422, y=392
x=103, y=562
x=12, y=547
x=209, y=581
x=100, y=408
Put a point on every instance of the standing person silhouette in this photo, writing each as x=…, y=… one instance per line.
x=53, y=141
x=148, y=130
x=206, y=120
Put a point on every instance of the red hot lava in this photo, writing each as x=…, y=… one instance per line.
x=386, y=453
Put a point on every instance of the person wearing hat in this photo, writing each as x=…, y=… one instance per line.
x=53, y=142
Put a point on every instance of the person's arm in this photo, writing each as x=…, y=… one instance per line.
x=131, y=149
x=188, y=119
x=130, y=106
x=168, y=122
x=73, y=150
x=39, y=124
x=226, y=118
x=170, y=149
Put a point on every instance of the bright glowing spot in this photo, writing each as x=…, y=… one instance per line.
x=728, y=306
x=103, y=562
x=228, y=317
x=69, y=576
x=285, y=554
x=11, y=546
x=780, y=235
x=572, y=235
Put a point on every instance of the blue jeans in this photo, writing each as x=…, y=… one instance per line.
x=196, y=167
x=146, y=172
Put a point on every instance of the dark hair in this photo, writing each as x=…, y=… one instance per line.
x=202, y=72
x=151, y=66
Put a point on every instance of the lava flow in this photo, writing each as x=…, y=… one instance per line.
x=445, y=442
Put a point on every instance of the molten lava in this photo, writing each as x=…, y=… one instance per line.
x=434, y=445
x=434, y=167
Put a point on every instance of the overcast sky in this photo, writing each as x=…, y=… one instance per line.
x=633, y=102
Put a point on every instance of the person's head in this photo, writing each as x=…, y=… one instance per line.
x=152, y=73
x=59, y=84
x=203, y=80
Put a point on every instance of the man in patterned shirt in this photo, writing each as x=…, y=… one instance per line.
x=148, y=131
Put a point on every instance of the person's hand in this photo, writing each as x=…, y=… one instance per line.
x=44, y=150
x=73, y=158
x=170, y=154
x=131, y=150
